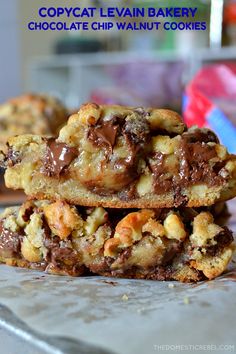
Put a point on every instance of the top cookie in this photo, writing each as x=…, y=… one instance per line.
x=31, y=113
x=123, y=157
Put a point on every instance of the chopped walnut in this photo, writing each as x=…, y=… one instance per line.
x=174, y=227
x=204, y=230
x=221, y=151
x=128, y=231
x=164, y=144
x=34, y=230
x=148, y=252
x=10, y=223
x=213, y=266
x=97, y=218
x=154, y=227
x=29, y=252
x=111, y=247
x=62, y=218
x=145, y=184
x=230, y=167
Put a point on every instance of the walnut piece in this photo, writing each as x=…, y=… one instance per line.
x=29, y=252
x=204, y=230
x=97, y=218
x=128, y=231
x=62, y=219
x=174, y=227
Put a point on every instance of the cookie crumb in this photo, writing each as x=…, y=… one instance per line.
x=125, y=297
x=186, y=300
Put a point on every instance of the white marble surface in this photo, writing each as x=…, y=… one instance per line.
x=96, y=311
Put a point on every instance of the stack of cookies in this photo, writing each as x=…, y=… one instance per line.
x=122, y=192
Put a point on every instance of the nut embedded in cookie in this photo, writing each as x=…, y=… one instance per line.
x=122, y=157
x=180, y=244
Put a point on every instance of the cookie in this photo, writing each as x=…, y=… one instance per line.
x=31, y=113
x=157, y=244
x=120, y=157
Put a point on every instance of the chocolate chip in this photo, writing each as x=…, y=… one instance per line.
x=223, y=239
x=104, y=133
x=58, y=157
x=203, y=135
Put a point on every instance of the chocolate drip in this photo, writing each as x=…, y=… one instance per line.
x=58, y=157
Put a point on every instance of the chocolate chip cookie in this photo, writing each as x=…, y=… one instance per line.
x=122, y=157
x=31, y=113
x=157, y=244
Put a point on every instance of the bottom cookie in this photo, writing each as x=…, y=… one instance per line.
x=179, y=244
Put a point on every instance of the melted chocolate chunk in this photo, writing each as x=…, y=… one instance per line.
x=10, y=243
x=223, y=239
x=64, y=256
x=50, y=242
x=194, y=164
x=203, y=135
x=162, y=182
x=135, y=133
x=201, y=152
x=188, y=214
x=104, y=133
x=58, y=157
x=171, y=252
x=194, y=168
